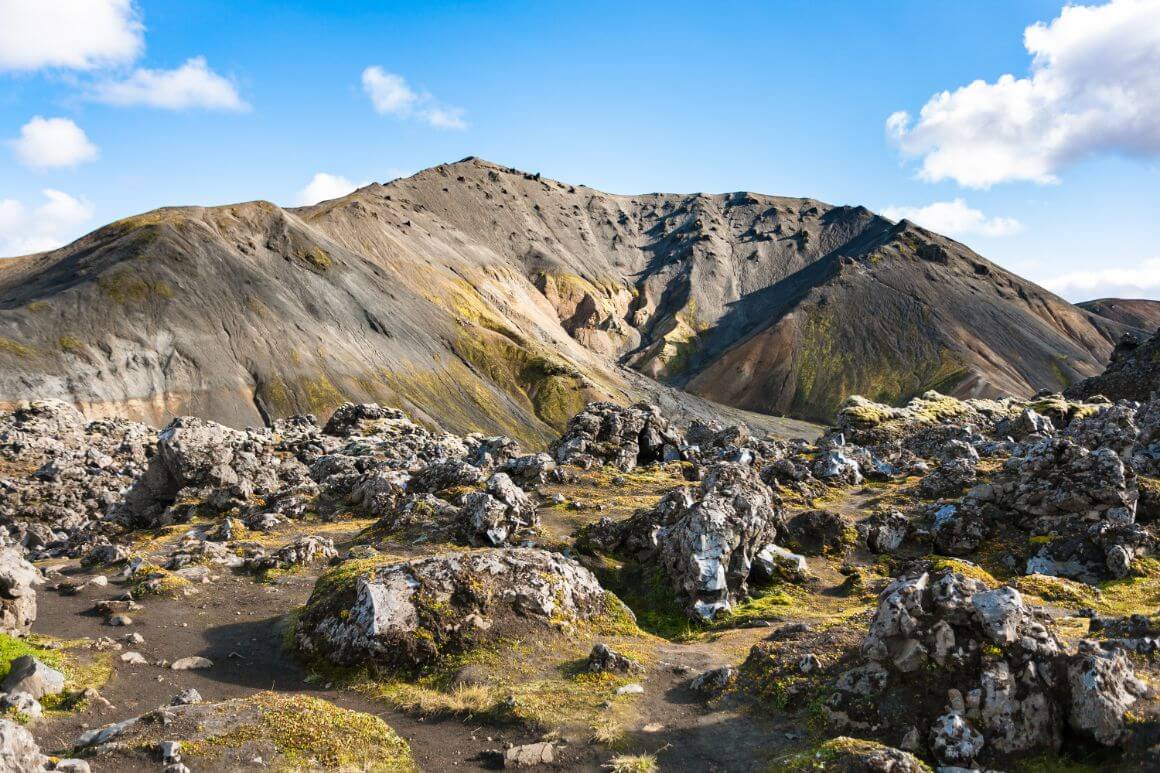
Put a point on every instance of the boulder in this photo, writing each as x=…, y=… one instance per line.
x=28, y=675
x=409, y=614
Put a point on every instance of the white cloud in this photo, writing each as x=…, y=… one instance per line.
x=52, y=142
x=391, y=95
x=193, y=85
x=72, y=34
x=325, y=186
x=1093, y=87
x=1139, y=281
x=955, y=218
x=24, y=230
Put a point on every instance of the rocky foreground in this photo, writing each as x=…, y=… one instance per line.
x=949, y=584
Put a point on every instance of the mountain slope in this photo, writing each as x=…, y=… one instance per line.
x=483, y=297
x=1135, y=312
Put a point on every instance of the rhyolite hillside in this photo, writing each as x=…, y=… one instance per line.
x=481, y=297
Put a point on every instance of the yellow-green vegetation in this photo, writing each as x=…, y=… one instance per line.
x=829, y=367
x=646, y=591
x=1138, y=593
x=15, y=348
x=321, y=394
x=1059, y=589
x=965, y=568
x=38, y=307
x=152, y=580
x=126, y=286
x=308, y=734
x=550, y=389
x=57, y=654
x=1061, y=410
x=830, y=754
x=633, y=763
x=539, y=681
x=71, y=344
x=316, y=257
x=540, y=684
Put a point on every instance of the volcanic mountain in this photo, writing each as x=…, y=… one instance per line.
x=482, y=297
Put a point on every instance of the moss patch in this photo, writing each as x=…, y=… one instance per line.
x=78, y=675
x=309, y=734
x=15, y=348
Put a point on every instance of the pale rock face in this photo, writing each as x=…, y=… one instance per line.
x=709, y=550
x=17, y=592
x=18, y=749
x=1103, y=687
x=954, y=741
x=495, y=516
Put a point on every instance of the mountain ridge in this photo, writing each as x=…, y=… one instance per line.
x=482, y=297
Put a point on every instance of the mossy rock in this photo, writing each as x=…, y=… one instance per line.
x=853, y=755
x=290, y=732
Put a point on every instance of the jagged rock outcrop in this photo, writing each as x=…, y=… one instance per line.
x=605, y=433
x=1132, y=374
x=1010, y=684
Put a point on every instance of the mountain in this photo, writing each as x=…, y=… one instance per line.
x=1134, y=312
x=481, y=297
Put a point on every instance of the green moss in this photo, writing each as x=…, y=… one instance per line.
x=316, y=257
x=311, y=734
x=647, y=592
x=830, y=754
x=55, y=654
x=965, y=568
x=71, y=344
x=152, y=580
x=15, y=348
x=1137, y=594
x=1059, y=589
x=127, y=287
x=321, y=394
x=38, y=307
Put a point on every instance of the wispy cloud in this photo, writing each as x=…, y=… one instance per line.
x=390, y=94
x=955, y=218
x=25, y=229
x=1139, y=280
x=193, y=85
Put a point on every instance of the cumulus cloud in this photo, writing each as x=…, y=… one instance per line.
x=193, y=85
x=26, y=229
x=72, y=34
x=1141, y=280
x=325, y=186
x=1093, y=87
x=45, y=143
x=955, y=218
x=390, y=94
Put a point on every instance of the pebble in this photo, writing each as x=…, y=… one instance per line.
x=191, y=663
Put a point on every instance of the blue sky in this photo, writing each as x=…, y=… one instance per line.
x=208, y=102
